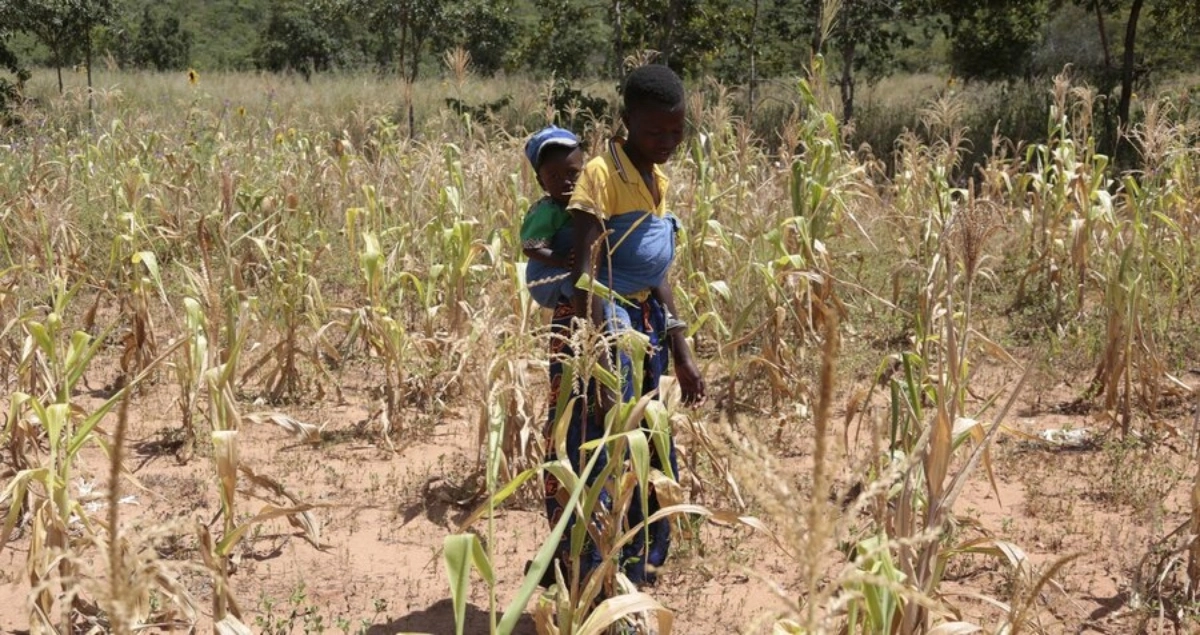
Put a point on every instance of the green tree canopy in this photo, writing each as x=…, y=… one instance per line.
x=294, y=39
x=160, y=43
x=565, y=37
x=8, y=62
x=487, y=29
x=994, y=39
x=64, y=26
x=400, y=31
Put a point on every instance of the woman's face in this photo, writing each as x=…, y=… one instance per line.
x=559, y=173
x=654, y=132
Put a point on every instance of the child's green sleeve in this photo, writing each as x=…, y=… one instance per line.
x=539, y=226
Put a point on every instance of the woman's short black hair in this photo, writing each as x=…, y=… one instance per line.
x=653, y=85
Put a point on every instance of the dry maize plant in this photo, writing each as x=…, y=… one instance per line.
x=894, y=524
x=39, y=496
x=597, y=500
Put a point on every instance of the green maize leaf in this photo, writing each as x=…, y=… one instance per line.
x=194, y=314
x=16, y=403
x=881, y=600
x=1000, y=549
x=628, y=434
x=150, y=261
x=636, y=345
x=456, y=555
x=545, y=555
x=229, y=368
x=225, y=456
x=1168, y=221
x=705, y=318
x=371, y=257
x=263, y=249
x=77, y=349
x=789, y=627
x=85, y=429
x=700, y=510
x=41, y=337
x=721, y=288
x=13, y=494
x=562, y=470
x=496, y=421
x=565, y=405
x=912, y=361
x=593, y=488
x=639, y=454
x=607, y=378
x=806, y=93
x=460, y=552
x=82, y=350
x=39, y=412
x=56, y=417
x=593, y=286
x=658, y=420
x=500, y=496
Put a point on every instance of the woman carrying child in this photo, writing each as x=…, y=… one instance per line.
x=624, y=239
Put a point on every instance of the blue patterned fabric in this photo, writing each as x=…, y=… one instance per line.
x=642, y=247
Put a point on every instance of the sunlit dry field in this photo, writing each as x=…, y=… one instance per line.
x=268, y=365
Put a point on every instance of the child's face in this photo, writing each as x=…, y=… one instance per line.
x=558, y=175
x=654, y=132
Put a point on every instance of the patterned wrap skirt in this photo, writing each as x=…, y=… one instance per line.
x=586, y=423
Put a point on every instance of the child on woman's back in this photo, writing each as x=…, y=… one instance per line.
x=546, y=236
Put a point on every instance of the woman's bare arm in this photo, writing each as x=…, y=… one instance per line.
x=588, y=245
x=691, y=382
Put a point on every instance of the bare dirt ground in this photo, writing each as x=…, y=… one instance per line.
x=1106, y=503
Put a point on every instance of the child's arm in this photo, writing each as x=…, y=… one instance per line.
x=537, y=234
x=546, y=255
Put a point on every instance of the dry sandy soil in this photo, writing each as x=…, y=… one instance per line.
x=1108, y=503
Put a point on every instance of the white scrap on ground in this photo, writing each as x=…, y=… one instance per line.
x=1068, y=437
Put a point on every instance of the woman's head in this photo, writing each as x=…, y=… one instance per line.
x=653, y=112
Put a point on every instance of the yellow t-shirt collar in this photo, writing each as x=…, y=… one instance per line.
x=627, y=171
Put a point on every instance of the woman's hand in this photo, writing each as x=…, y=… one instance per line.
x=691, y=382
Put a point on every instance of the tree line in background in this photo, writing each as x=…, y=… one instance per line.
x=1114, y=43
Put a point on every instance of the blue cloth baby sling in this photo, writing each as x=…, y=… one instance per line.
x=641, y=248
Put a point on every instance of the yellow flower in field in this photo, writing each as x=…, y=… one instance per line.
x=241, y=111
x=193, y=77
